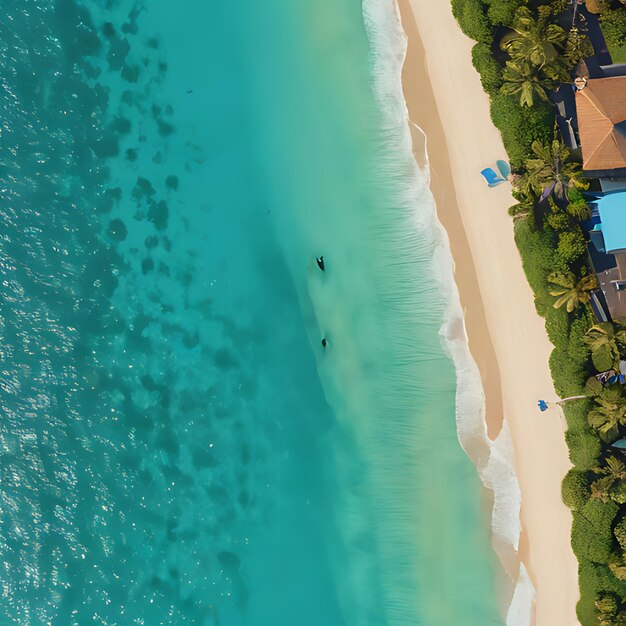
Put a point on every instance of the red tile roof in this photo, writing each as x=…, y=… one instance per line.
x=601, y=108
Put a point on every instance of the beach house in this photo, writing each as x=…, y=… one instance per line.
x=601, y=113
x=601, y=120
x=608, y=251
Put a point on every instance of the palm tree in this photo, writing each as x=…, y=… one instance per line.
x=614, y=468
x=612, y=485
x=523, y=80
x=571, y=291
x=607, y=608
x=579, y=209
x=537, y=42
x=551, y=172
x=617, y=566
x=609, y=413
x=602, y=340
x=578, y=46
x=601, y=489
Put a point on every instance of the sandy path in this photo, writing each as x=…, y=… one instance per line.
x=507, y=337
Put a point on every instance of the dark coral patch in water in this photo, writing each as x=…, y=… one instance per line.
x=224, y=359
x=128, y=97
x=142, y=188
x=158, y=214
x=147, y=266
x=151, y=242
x=121, y=125
x=131, y=154
x=108, y=30
x=80, y=38
x=91, y=71
x=117, y=230
x=191, y=340
x=108, y=199
x=106, y=148
x=165, y=128
x=130, y=28
x=203, y=456
x=130, y=73
x=117, y=53
x=229, y=561
x=171, y=182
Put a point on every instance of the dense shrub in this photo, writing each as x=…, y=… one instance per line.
x=605, y=581
x=617, y=565
x=576, y=415
x=596, y=581
x=487, y=67
x=572, y=246
x=557, y=325
x=568, y=375
x=575, y=489
x=576, y=348
x=585, y=449
x=592, y=534
x=614, y=29
x=586, y=608
x=470, y=15
x=620, y=533
x=520, y=126
x=503, y=11
x=597, y=6
x=537, y=251
x=559, y=221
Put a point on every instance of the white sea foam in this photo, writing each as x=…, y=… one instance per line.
x=494, y=460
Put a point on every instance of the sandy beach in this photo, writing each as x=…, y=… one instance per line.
x=507, y=338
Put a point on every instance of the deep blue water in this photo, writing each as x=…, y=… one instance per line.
x=175, y=445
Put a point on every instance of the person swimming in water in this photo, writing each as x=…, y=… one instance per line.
x=324, y=342
x=320, y=263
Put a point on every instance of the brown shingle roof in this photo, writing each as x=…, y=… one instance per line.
x=601, y=108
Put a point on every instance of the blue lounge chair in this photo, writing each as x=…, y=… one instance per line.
x=504, y=168
x=491, y=177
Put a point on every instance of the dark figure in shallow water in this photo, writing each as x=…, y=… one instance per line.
x=324, y=342
x=320, y=263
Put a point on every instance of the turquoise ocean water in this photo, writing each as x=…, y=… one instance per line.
x=175, y=445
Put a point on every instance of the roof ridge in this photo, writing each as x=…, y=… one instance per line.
x=600, y=145
x=595, y=101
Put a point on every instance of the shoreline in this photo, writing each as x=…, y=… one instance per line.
x=507, y=338
x=423, y=111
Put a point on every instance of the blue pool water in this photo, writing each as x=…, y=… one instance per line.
x=175, y=445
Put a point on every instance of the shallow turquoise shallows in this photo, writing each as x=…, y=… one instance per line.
x=176, y=446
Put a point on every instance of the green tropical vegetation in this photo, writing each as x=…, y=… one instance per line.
x=605, y=342
x=571, y=291
x=522, y=52
x=613, y=24
x=613, y=21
